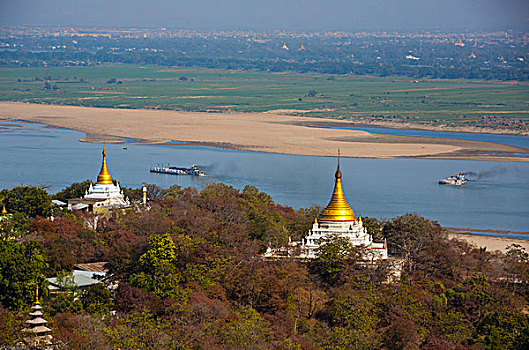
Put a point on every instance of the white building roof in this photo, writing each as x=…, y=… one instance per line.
x=80, y=278
x=58, y=202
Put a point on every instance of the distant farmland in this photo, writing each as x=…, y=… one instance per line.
x=491, y=104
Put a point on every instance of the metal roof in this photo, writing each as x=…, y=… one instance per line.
x=95, y=266
x=80, y=278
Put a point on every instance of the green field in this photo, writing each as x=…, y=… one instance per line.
x=454, y=102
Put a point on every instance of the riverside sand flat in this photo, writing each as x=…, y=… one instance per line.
x=263, y=132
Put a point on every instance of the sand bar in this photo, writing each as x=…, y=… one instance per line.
x=490, y=242
x=264, y=132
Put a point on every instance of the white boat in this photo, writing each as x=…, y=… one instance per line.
x=454, y=180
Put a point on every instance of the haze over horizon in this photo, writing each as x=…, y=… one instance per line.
x=298, y=15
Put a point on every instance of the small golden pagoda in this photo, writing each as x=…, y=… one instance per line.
x=4, y=211
x=39, y=333
x=101, y=196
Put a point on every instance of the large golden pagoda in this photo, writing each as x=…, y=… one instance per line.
x=338, y=209
x=337, y=220
x=104, y=177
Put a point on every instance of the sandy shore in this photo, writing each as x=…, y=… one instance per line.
x=490, y=242
x=265, y=132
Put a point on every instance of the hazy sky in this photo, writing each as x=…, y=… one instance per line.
x=301, y=15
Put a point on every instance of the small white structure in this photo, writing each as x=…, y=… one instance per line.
x=337, y=220
x=104, y=194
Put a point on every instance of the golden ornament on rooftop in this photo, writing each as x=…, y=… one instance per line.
x=338, y=209
x=104, y=177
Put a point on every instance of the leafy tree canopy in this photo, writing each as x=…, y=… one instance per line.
x=331, y=260
x=22, y=268
x=31, y=201
x=75, y=190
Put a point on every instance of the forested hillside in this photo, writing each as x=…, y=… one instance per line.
x=187, y=273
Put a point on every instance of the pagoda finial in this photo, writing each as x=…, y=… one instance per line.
x=338, y=172
x=104, y=177
x=37, y=294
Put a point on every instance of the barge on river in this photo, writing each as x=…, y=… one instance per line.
x=194, y=170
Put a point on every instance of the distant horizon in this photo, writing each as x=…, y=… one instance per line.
x=297, y=31
x=292, y=15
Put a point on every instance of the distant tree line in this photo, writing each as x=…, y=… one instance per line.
x=369, y=56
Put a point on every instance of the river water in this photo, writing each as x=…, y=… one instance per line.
x=383, y=188
x=512, y=140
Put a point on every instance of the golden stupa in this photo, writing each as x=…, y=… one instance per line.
x=338, y=209
x=4, y=211
x=104, y=177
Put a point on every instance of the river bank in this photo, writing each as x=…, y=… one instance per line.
x=416, y=126
x=490, y=242
x=262, y=132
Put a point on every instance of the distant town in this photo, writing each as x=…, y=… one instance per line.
x=501, y=55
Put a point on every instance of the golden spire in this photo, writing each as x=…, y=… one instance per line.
x=104, y=177
x=37, y=294
x=338, y=209
x=4, y=211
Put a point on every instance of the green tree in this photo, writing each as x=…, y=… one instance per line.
x=75, y=190
x=14, y=225
x=21, y=270
x=31, y=201
x=173, y=192
x=134, y=194
x=331, y=260
x=373, y=227
x=157, y=272
x=97, y=299
x=357, y=315
x=10, y=328
x=245, y=330
x=142, y=331
x=68, y=298
x=454, y=327
x=265, y=223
